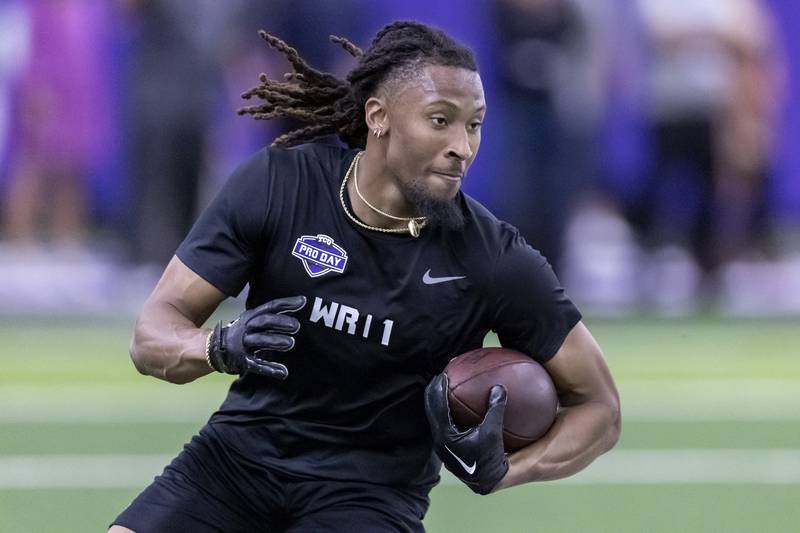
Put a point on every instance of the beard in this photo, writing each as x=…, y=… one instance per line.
x=442, y=213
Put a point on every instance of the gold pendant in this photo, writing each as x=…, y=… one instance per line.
x=413, y=228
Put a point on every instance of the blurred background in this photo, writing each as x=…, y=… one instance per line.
x=646, y=147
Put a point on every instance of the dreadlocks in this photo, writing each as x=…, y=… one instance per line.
x=331, y=105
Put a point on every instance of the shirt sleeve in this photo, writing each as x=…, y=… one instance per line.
x=224, y=243
x=531, y=311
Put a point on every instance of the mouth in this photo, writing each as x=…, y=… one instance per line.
x=449, y=175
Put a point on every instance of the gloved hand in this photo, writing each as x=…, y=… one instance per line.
x=475, y=456
x=236, y=348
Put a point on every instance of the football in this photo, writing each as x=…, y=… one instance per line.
x=531, y=404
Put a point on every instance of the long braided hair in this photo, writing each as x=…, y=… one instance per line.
x=334, y=106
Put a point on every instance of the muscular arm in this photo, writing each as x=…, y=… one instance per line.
x=588, y=424
x=168, y=342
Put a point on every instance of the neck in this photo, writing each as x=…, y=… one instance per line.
x=378, y=187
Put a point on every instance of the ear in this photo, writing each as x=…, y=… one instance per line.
x=376, y=114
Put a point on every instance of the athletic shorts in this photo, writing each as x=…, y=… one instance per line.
x=208, y=489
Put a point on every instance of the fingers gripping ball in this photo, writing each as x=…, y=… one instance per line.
x=244, y=345
x=532, y=401
x=474, y=455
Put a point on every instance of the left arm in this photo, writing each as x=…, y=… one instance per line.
x=588, y=423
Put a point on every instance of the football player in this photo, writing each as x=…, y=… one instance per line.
x=368, y=269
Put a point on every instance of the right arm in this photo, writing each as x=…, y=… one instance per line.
x=168, y=341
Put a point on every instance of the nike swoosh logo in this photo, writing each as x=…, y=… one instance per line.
x=468, y=469
x=427, y=279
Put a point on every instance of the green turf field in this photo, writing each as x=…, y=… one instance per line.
x=711, y=433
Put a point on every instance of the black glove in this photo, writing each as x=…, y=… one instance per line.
x=475, y=456
x=236, y=348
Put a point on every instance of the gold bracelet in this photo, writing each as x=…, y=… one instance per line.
x=208, y=351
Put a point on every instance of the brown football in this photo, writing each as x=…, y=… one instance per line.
x=532, y=401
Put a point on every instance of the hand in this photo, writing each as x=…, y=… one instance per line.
x=236, y=348
x=476, y=456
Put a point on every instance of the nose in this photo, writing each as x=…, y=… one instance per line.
x=459, y=147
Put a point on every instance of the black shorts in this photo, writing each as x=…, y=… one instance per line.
x=206, y=489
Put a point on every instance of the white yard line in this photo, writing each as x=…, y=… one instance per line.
x=693, y=466
x=707, y=400
x=79, y=471
x=108, y=403
x=642, y=400
x=638, y=467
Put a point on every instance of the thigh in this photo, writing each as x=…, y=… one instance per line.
x=200, y=491
x=330, y=506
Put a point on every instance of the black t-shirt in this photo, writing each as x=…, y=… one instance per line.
x=385, y=313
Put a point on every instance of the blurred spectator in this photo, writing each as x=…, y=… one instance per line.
x=173, y=79
x=191, y=62
x=61, y=120
x=553, y=57
x=305, y=25
x=710, y=110
x=15, y=29
x=243, y=56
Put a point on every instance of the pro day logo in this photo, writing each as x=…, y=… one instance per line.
x=320, y=255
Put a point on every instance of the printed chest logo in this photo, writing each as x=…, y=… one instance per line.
x=319, y=255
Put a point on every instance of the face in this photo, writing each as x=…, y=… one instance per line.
x=434, y=123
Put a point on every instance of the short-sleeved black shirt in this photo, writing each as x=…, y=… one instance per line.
x=385, y=313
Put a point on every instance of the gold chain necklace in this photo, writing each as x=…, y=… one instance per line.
x=387, y=215
x=414, y=224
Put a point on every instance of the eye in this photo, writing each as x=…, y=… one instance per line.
x=475, y=126
x=439, y=122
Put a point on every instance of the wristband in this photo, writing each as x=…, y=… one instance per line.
x=208, y=351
